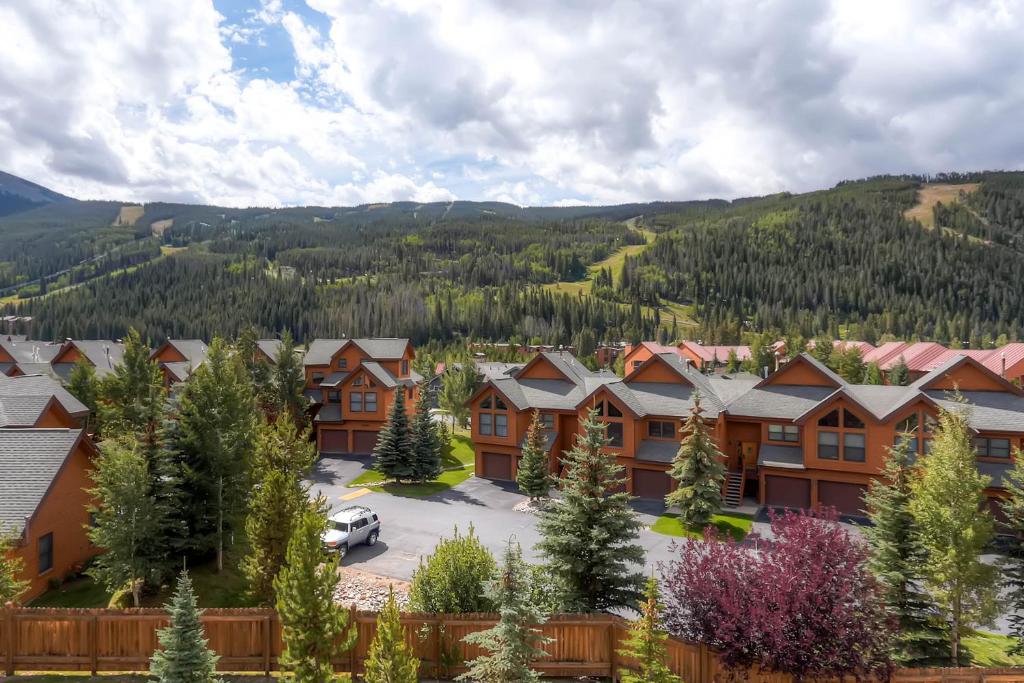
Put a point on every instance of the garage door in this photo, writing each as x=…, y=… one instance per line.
x=787, y=492
x=848, y=499
x=651, y=483
x=364, y=442
x=333, y=441
x=497, y=466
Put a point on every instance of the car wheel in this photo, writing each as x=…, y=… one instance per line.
x=372, y=538
x=342, y=551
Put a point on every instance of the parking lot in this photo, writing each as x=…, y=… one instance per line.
x=410, y=527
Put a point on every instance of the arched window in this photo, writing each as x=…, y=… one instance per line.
x=841, y=436
x=493, y=417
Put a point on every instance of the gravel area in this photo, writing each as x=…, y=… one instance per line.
x=369, y=591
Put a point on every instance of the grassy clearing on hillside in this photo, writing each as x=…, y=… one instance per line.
x=731, y=524
x=929, y=195
x=458, y=460
x=991, y=649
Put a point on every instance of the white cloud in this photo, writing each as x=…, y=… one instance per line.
x=530, y=102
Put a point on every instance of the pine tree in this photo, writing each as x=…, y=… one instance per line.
x=899, y=375
x=314, y=627
x=947, y=496
x=732, y=363
x=282, y=459
x=290, y=381
x=1013, y=564
x=128, y=518
x=873, y=374
x=11, y=568
x=390, y=659
x=216, y=424
x=646, y=644
x=183, y=656
x=132, y=397
x=588, y=537
x=426, y=442
x=699, y=471
x=260, y=376
x=393, y=455
x=515, y=641
x=896, y=559
x=534, y=474
x=83, y=385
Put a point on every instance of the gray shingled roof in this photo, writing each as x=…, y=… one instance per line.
x=550, y=437
x=330, y=412
x=194, y=350
x=29, y=461
x=334, y=379
x=988, y=411
x=31, y=351
x=789, y=457
x=104, y=354
x=22, y=411
x=271, y=347
x=41, y=385
x=180, y=370
x=671, y=400
x=380, y=373
x=651, y=450
x=385, y=348
x=783, y=401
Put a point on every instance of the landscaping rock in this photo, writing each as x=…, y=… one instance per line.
x=369, y=591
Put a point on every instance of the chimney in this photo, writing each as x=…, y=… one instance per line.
x=1002, y=362
x=777, y=356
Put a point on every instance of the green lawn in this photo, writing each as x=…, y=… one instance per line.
x=732, y=524
x=458, y=454
x=214, y=590
x=991, y=649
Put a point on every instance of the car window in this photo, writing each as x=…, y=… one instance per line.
x=374, y=517
x=359, y=523
x=340, y=526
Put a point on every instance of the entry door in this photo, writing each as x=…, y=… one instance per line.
x=749, y=451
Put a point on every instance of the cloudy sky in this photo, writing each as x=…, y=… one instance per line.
x=281, y=102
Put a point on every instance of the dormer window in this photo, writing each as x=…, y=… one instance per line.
x=342, y=363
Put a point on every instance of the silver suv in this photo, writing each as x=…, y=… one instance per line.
x=349, y=527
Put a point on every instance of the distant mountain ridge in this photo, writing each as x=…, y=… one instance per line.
x=18, y=194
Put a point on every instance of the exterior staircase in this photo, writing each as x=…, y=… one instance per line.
x=733, y=489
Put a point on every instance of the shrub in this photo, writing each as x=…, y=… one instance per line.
x=454, y=578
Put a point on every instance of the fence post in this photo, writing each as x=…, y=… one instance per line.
x=94, y=637
x=353, y=623
x=438, y=630
x=612, y=655
x=268, y=642
x=11, y=637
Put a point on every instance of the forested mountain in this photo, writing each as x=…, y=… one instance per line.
x=845, y=259
x=18, y=194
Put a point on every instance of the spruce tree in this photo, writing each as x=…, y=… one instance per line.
x=896, y=559
x=289, y=381
x=393, y=455
x=282, y=459
x=11, y=568
x=534, y=474
x=183, y=656
x=390, y=659
x=954, y=525
x=214, y=436
x=589, y=537
x=256, y=367
x=699, y=471
x=1013, y=563
x=83, y=385
x=515, y=641
x=873, y=374
x=426, y=441
x=646, y=645
x=314, y=627
x=130, y=399
x=899, y=375
x=732, y=362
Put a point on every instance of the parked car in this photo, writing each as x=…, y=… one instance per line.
x=349, y=527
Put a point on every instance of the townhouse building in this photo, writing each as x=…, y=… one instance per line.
x=179, y=358
x=351, y=384
x=799, y=438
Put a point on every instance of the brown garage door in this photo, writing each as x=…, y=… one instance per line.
x=787, y=492
x=333, y=441
x=651, y=483
x=848, y=499
x=364, y=442
x=497, y=466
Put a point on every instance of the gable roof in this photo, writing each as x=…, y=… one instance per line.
x=719, y=353
x=22, y=411
x=377, y=348
x=30, y=460
x=806, y=359
x=1012, y=353
x=42, y=385
x=104, y=354
x=194, y=350
x=25, y=351
x=271, y=348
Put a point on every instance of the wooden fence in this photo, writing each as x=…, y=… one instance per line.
x=249, y=640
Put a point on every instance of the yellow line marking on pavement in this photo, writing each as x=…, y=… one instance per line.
x=354, y=494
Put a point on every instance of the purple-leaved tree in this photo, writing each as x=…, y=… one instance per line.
x=804, y=603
